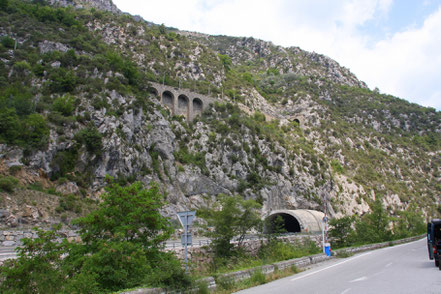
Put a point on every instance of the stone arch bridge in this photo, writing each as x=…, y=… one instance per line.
x=299, y=220
x=181, y=101
x=187, y=103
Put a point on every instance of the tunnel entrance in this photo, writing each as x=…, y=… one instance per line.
x=284, y=222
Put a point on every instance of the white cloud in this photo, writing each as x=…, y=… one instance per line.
x=406, y=64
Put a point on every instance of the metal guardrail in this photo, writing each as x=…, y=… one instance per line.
x=203, y=242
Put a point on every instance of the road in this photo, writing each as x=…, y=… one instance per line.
x=400, y=269
x=7, y=252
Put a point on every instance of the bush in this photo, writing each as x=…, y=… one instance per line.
x=91, y=138
x=120, y=249
x=64, y=104
x=35, y=132
x=8, y=42
x=8, y=184
x=374, y=227
x=9, y=126
x=231, y=217
x=258, y=277
x=18, y=97
x=68, y=203
x=276, y=250
x=341, y=231
x=38, y=266
x=336, y=166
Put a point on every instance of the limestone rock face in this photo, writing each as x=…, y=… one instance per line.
x=106, y=5
x=290, y=129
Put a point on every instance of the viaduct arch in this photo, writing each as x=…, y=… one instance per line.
x=181, y=101
x=296, y=221
x=188, y=103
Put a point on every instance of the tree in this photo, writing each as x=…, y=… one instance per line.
x=231, y=217
x=123, y=237
x=120, y=249
x=226, y=61
x=64, y=104
x=38, y=268
x=35, y=132
x=409, y=222
x=374, y=227
x=341, y=231
x=9, y=125
x=4, y=4
x=127, y=214
x=91, y=138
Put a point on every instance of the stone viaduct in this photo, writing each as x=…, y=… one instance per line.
x=299, y=220
x=181, y=101
x=187, y=103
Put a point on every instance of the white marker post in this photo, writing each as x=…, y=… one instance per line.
x=324, y=228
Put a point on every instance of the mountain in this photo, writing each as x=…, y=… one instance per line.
x=289, y=128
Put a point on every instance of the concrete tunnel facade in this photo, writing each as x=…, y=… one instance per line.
x=297, y=221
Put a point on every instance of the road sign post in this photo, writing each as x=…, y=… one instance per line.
x=186, y=219
x=324, y=232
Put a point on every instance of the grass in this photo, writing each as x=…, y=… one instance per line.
x=256, y=279
x=344, y=254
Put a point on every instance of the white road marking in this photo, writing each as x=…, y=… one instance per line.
x=11, y=253
x=389, y=264
x=331, y=266
x=346, y=291
x=364, y=278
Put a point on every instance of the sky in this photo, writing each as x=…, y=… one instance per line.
x=392, y=45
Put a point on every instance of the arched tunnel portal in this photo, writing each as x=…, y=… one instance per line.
x=294, y=221
x=283, y=222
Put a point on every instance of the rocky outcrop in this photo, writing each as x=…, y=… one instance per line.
x=106, y=5
x=293, y=129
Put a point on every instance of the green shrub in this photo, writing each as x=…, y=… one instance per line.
x=68, y=203
x=225, y=283
x=230, y=217
x=36, y=186
x=64, y=104
x=8, y=184
x=258, y=277
x=336, y=166
x=4, y=4
x=38, y=266
x=202, y=287
x=121, y=248
x=8, y=42
x=9, y=126
x=91, y=138
x=18, y=97
x=341, y=232
x=276, y=250
x=14, y=169
x=35, y=131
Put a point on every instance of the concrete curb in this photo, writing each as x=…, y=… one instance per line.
x=300, y=263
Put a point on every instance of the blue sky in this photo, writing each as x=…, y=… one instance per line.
x=394, y=45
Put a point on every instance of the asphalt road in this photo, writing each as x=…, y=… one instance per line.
x=400, y=269
x=7, y=253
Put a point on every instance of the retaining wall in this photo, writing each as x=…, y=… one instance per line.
x=13, y=238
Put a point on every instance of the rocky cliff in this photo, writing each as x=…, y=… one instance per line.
x=291, y=129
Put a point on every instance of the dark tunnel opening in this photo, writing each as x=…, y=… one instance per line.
x=283, y=221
